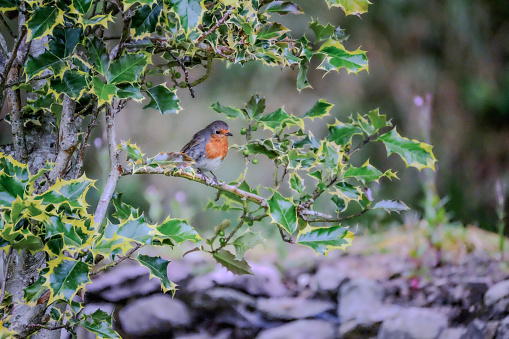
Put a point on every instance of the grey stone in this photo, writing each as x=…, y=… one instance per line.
x=496, y=292
x=414, y=323
x=368, y=325
x=358, y=297
x=453, y=333
x=156, y=314
x=292, y=308
x=503, y=329
x=328, y=279
x=300, y=329
x=265, y=281
x=476, y=329
x=123, y=283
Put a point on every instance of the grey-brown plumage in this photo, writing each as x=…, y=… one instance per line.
x=209, y=146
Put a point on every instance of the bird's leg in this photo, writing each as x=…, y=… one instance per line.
x=214, y=181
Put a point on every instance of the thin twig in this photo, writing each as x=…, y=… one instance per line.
x=50, y=328
x=186, y=73
x=230, y=236
x=210, y=57
x=219, y=23
x=118, y=260
x=15, y=83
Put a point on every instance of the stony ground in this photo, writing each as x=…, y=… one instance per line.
x=374, y=290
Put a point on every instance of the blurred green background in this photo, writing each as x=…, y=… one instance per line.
x=456, y=51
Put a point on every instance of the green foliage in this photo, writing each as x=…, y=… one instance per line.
x=165, y=39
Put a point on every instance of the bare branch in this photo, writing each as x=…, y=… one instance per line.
x=219, y=23
x=115, y=167
x=239, y=225
x=15, y=83
x=186, y=73
x=203, y=180
x=67, y=142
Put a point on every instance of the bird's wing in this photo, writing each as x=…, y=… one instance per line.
x=196, y=140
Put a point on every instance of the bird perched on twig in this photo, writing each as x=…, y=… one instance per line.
x=208, y=147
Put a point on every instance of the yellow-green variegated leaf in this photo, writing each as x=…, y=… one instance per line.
x=158, y=267
x=413, y=152
x=145, y=20
x=355, y=7
x=177, y=231
x=127, y=68
x=283, y=212
x=65, y=278
x=104, y=92
x=98, y=20
x=43, y=20
x=324, y=239
x=70, y=192
x=337, y=57
x=73, y=84
x=320, y=110
x=189, y=13
x=163, y=100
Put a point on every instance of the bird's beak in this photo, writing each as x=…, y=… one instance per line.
x=228, y=134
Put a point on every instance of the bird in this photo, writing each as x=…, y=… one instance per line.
x=208, y=147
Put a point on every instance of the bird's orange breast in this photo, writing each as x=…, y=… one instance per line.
x=217, y=147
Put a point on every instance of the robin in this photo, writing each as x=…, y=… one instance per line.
x=208, y=147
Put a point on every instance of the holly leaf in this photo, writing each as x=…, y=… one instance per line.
x=341, y=133
x=337, y=57
x=255, y=106
x=283, y=7
x=65, y=278
x=320, y=109
x=280, y=119
x=271, y=31
x=133, y=152
x=158, y=268
x=163, y=100
x=246, y=242
x=414, y=153
x=97, y=54
x=72, y=84
x=365, y=173
x=324, y=239
x=391, y=206
x=283, y=212
x=177, y=230
x=189, y=13
x=321, y=32
x=145, y=20
x=82, y=6
x=129, y=91
x=43, y=20
x=355, y=7
x=233, y=265
x=127, y=68
x=296, y=183
x=104, y=92
x=230, y=112
x=36, y=65
x=99, y=323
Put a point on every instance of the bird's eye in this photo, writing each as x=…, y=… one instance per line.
x=218, y=132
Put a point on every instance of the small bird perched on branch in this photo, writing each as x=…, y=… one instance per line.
x=208, y=147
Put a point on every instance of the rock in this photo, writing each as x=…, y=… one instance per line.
x=368, y=325
x=453, y=333
x=292, y=308
x=358, y=297
x=265, y=281
x=300, y=329
x=328, y=279
x=158, y=314
x=503, y=329
x=476, y=329
x=121, y=284
x=496, y=292
x=414, y=323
